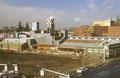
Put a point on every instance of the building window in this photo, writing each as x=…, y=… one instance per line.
x=95, y=50
x=101, y=51
x=90, y=50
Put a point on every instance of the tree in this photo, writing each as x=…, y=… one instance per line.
x=20, y=27
x=26, y=27
x=5, y=29
x=12, y=29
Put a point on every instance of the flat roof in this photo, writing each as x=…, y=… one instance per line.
x=80, y=43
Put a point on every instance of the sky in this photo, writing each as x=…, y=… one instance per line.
x=67, y=13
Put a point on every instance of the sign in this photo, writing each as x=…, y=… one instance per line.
x=41, y=72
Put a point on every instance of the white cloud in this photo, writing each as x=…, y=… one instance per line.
x=10, y=15
x=77, y=19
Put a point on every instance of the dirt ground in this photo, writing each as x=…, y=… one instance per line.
x=27, y=62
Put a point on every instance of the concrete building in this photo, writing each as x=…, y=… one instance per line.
x=49, y=37
x=111, y=44
x=15, y=44
x=18, y=44
x=114, y=49
x=88, y=51
x=35, y=26
x=109, y=22
x=47, y=41
x=82, y=46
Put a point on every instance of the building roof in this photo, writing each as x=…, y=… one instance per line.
x=81, y=43
x=43, y=45
x=14, y=40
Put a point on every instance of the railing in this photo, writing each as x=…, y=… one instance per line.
x=94, y=38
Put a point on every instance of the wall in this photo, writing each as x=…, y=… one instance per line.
x=114, y=31
x=114, y=50
x=13, y=44
x=44, y=38
x=83, y=31
x=107, y=22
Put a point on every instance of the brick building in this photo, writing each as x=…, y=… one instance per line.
x=83, y=31
x=114, y=31
x=100, y=30
x=105, y=31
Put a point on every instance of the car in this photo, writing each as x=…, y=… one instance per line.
x=81, y=69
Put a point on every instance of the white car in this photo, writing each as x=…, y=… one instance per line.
x=81, y=69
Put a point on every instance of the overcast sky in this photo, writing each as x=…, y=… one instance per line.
x=67, y=13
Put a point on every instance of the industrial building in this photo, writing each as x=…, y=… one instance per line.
x=18, y=44
x=49, y=37
x=109, y=22
x=82, y=46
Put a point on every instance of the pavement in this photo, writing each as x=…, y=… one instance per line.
x=110, y=69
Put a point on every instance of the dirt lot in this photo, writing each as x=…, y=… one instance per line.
x=27, y=62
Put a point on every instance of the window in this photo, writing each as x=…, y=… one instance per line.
x=101, y=50
x=90, y=50
x=95, y=50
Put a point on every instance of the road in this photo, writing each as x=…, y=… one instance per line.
x=108, y=70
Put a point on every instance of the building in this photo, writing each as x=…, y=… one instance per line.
x=35, y=26
x=100, y=31
x=49, y=37
x=91, y=50
x=105, y=31
x=83, y=31
x=114, y=49
x=113, y=31
x=109, y=22
x=47, y=41
x=14, y=44
x=103, y=28
x=81, y=46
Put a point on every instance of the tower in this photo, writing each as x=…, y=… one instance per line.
x=51, y=25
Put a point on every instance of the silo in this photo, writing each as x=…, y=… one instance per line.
x=35, y=26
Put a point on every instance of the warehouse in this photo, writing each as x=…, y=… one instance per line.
x=89, y=51
x=16, y=44
x=82, y=46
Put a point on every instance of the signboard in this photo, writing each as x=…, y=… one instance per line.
x=41, y=72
